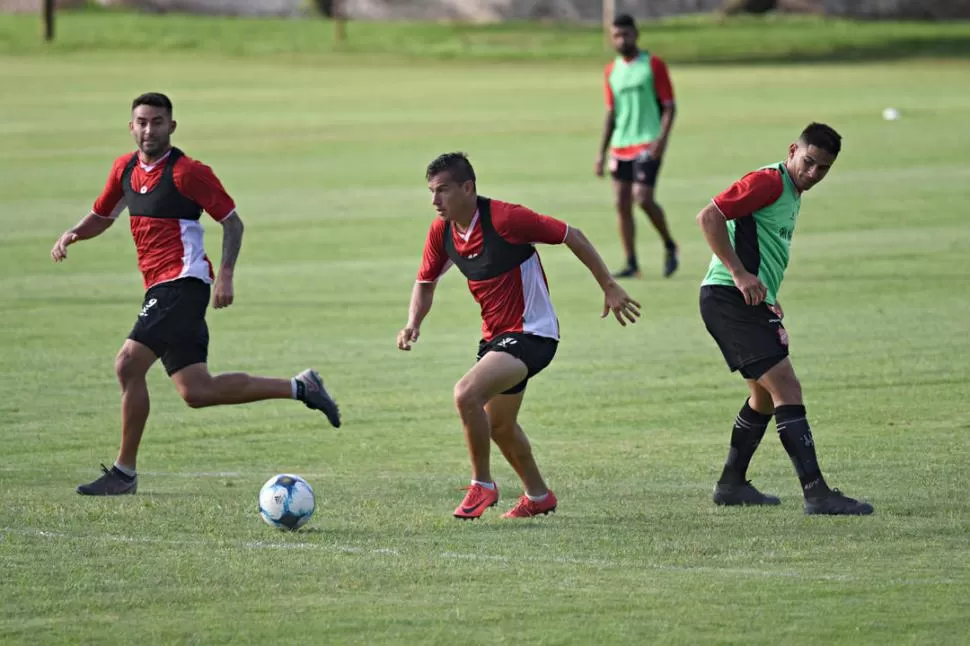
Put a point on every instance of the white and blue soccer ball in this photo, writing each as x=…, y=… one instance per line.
x=286, y=501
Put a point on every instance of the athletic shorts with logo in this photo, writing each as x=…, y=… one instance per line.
x=536, y=352
x=751, y=337
x=172, y=323
x=642, y=170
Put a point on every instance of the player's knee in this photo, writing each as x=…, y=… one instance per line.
x=787, y=390
x=195, y=395
x=467, y=396
x=644, y=196
x=503, y=431
x=127, y=369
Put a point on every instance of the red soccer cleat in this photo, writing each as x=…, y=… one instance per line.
x=526, y=508
x=476, y=501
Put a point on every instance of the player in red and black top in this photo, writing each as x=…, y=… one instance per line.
x=165, y=193
x=492, y=243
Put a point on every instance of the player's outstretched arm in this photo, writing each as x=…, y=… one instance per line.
x=232, y=234
x=422, y=296
x=91, y=226
x=714, y=226
x=616, y=299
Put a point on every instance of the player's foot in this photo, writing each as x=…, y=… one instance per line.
x=526, y=508
x=627, y=272
x=671, y=262
x=476, y=501
x=111, y=483
x=315, y=396
x=834, y=503
x=742, y=494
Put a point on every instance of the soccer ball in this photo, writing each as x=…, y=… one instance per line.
x=286, y=502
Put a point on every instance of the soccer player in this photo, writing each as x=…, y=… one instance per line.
x=492, y=244
x=749, y=227
x=640, y=113
x=165, y=193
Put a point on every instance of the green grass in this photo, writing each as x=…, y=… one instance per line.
x=772, y=39
x=629, y=425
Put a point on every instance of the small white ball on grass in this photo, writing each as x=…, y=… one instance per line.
x=890, y=114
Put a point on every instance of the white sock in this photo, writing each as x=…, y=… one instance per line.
x=125, y=470
x=293, y=389
x=488, y=485
x=537, y=498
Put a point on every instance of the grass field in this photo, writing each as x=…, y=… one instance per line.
x=325, y=158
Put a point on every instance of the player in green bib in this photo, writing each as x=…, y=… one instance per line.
x=749, y=227
x=639, y=116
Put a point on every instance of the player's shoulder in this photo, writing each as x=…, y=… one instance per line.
x=192, y=166
x=122, y=160
x=656, y=61
x=507, y=209
x=763, y=177
x=437, y=227
x=186, y=161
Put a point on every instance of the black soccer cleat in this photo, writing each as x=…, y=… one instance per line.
x=834, y=503
x=316, y=397
x=111, y=483
x=627, y=272
x=671, y=262
x=742, y=494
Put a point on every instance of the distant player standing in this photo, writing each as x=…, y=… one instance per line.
x=750, y=227
x=165, y=193
x=640, y=112
x=492, y=244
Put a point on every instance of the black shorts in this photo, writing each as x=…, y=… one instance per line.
x=751, y=337
x=536, y=352
x=172, y=323
x=642, y=170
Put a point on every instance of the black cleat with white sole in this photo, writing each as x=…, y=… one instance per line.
x=316, y=397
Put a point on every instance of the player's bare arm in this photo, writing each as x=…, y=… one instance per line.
x=232, y=234
x=659, y=146
x=91, y=226
x=608, y=125
x=422, y=297
x=714, y=226
x=616, y=299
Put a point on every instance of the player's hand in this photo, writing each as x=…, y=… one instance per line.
x=776, y=308
x=619, y=302
x=598, y=166
x=222, y=293
x=407, y=336
x=59, y=252
x=751, y=287
x=657, y=149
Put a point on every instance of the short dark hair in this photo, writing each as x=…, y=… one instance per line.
x=822, y=136
x=456, y=164
x=625, y=20
x=154, y=99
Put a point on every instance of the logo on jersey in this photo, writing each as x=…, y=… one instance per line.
x=144, y=310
